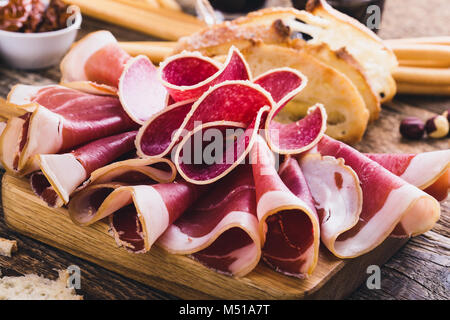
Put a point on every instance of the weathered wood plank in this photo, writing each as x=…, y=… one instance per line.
x=414, y=272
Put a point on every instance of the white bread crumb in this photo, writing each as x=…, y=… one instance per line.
x=34, y=287
x=7, y=247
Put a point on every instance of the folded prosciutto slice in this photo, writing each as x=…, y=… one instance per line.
x=288, y=222
x=61, y=174
x=97, y=64
x=337, y=195
x=138, y=214
x=59, y=120
x=139, y=198
x=390, y=206
x=221, y=229
x=434, y=180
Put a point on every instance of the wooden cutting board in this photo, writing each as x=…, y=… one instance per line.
x=179, y=275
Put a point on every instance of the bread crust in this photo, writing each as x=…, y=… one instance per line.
x=323, y=9
x=347, y=114
x=267, y=26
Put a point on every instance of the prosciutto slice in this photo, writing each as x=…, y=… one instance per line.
x=97, y=64
x=140, y=195
x=54, y=185
x=288, y=222
x=390, y=205
x=221, y=229
x=135, y=171
x=138, y=214
x=337, y=195
x=60, y=120
x=435, y=180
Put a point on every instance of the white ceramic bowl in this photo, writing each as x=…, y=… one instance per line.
x=37, y=50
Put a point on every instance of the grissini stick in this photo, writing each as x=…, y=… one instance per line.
x=159, y=23
x=422, y=52
x=176, y=14
x=152, y=3
x=433, y=76
x=424, y=63
x=420, y=89
x=169, y=4
x=443, y=40
x=157, y=51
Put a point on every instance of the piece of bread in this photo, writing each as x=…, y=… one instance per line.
x=344, y=62
x=342, y=31
x=347, y=115
x=330, y=36
x=321, y=24
x=34, y=287
x=7, y=247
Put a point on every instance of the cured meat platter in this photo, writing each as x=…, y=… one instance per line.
x=183, y=277
x=232, y=169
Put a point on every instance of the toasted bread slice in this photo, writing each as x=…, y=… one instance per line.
x=377, y=59
x=347, y=114
x=351, y=42
x=344, y=62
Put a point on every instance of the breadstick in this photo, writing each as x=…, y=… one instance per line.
x=169, y=4
x=433, y=76
x=418, y=89
x=157, y=51
x=424, y=63
x=152, y=3
x=444, y=40
x=422, y=52
x=176, y=14
x=165, y=24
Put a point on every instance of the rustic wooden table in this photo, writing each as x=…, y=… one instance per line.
x=420, y=270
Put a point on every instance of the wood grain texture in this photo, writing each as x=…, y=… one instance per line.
x=178, y=274
x=420, y=270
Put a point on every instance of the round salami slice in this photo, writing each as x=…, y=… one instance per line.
x=296, y=137
x=189, y=74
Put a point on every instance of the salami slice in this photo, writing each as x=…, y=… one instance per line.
x=296, y=137
x=189, y=74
